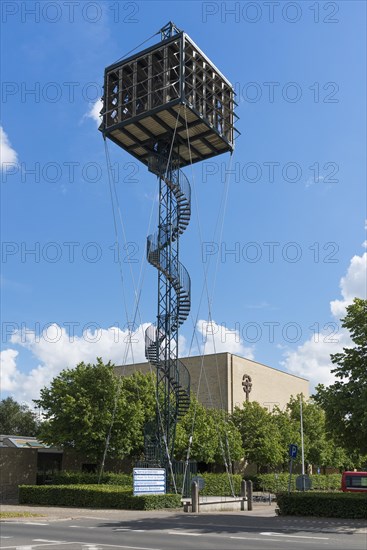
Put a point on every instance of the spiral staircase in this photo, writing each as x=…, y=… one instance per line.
x=161, y=339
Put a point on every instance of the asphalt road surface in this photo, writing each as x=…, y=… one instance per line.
x=176, y=531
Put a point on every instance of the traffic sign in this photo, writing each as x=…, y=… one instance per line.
x=303, y=483
x=293, y=449
x=200, y=481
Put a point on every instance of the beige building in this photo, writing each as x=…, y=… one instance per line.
x=225, y=380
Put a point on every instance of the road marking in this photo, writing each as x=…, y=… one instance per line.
x=127, y=529
x=95, y=517
x=47, y=540
x=257, y=538
x=34, y=523
x=272, y=540
x=119, y=546
x=184, y=534
x=19, y=547
x=293, y=536
x=82, y=527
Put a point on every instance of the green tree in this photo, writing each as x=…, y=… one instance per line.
x=228, y=437
x=17, y=419
x=215, y=439
x=85, y=404
x=288, y=431
x=314, y=431
x=344, y=402
x=319, y=446
x=261, y=439
x=338, y=457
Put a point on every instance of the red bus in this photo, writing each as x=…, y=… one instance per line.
x=355, y=482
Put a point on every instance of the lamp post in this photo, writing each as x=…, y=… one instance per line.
x=302, y=444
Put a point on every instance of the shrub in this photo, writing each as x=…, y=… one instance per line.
x=218, y=485
x=333, y=505
x=276, y=483
x=215, y=484
x=94, y=496
x=332, y=482
x=74, y=478
x=124, y=480
x=86, y=478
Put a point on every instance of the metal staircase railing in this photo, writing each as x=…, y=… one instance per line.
x=178, y=277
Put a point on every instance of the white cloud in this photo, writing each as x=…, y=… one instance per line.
x=7, y=154
x=312, y=359
x=56, y=350
x=94, y=112
x=216, y=338
x=353, y=285
x=8, y=369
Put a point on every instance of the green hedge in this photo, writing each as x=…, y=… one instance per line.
x=84, y=478
x=276, y=483
x=94, y=496
x=217, y=485
x=332, y=505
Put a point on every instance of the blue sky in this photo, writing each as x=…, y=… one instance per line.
x=294, y=217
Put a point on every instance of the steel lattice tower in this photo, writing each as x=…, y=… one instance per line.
x=169, y=107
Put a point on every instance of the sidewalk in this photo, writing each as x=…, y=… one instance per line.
x=53, y=513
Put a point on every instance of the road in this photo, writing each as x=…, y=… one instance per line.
x=175, y=531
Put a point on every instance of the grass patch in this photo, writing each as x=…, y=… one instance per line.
x=6, y=515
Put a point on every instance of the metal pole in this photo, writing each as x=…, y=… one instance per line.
x=195, y=497
x=290, y=475
x=302, y=446
x=243, y=494
x=249, y=495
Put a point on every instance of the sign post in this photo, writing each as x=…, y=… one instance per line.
x=149, y=481
x=293, y=449
x=303, y=483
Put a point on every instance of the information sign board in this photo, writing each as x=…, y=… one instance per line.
x=149, y=481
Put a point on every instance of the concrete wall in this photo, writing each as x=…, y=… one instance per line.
x=270, y=386
x=209, y=374
x=17, y=467
x=220, y=378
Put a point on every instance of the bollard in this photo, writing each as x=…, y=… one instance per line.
x=195, y=497
x=243, y=494
x=249, y=495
